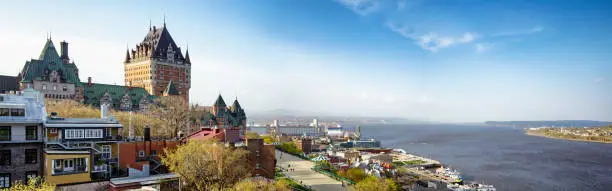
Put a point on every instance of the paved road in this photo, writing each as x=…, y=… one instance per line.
x=303, y=172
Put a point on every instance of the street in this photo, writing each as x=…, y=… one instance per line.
x=302, y=172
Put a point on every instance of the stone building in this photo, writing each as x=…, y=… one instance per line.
x=21, y=138
x=54, y=75
x=157, y=62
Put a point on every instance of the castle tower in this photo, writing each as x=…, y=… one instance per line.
x=220, y=111
x=156, y=63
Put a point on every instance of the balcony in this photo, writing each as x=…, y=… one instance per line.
x=113, y=138
x=100, y=168
x=5, y=137
x=66, y=171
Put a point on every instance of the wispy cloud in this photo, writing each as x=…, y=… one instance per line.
x=432, y=41
x=482, y=47
x=519, y=32
x=362, y=7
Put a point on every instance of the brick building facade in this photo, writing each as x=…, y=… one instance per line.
x=156, y=62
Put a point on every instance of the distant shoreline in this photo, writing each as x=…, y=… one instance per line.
x=540, y=134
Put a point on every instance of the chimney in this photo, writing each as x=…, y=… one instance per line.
x=88, y=81
x=104, y=111
x=64, y=49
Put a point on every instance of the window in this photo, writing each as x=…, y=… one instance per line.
x=153, y=152
x=53, y=130
x=44, y=86
x=84, y=133
x=258, y=166
x=5, y=180
x=31, y=175
x=4, y=112
x=54, y=87
x=5, y=157
x=31, y=132
x=58, y=163
x=31, y=156
x=5, y=133
x=65, y=88
x=17, y=112
x=141, y=153
x=106, y=151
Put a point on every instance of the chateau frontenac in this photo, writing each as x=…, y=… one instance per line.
x=155, y=68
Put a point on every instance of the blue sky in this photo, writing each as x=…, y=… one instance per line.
x=437, y=60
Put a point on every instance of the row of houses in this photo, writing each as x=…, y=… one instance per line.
x=66, y=151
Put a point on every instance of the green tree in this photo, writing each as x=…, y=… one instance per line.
x=290, y=147
x=355, y=174
x=208, y=165
x=34, y=184
x=252, y=135
x=268, y=139
x=372, y=183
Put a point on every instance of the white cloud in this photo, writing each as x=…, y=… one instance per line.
x=533, y=30
x=482, y=47
x=362, y=7
x=432, y=41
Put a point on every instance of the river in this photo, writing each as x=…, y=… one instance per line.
x=505, y=156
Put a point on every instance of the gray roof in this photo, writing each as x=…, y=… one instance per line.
x=8, y=83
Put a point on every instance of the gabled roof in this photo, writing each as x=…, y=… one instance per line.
x=49, y=61
x=92, y=94
x=171, y=89
x=219, y=101
x=159, y=39
x=49, y=52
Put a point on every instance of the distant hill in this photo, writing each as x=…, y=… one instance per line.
x=556, y=123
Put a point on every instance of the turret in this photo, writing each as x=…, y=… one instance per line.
x=187, y=60
x=127, y=56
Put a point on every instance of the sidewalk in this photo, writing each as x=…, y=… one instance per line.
x=303, y=172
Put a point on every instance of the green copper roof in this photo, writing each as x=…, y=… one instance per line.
x=47, y=62
x=49, y=52
x=171, y=89
x=92, y=94
x=219, y=101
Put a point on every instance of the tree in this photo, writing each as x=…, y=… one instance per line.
x=252, y=135
x=262, y=185
x=208, y=165
x=355, y=174
x=372, y=183
x=34, y=184
x=290, y=147
x=174, y=112
x=267, y=139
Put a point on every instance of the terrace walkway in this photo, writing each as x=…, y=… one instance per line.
x=304, y=173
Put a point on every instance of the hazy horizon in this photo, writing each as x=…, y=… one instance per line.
x=444, y=61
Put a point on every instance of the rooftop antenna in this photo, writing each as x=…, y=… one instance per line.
x=150, y=24
x=164, y=20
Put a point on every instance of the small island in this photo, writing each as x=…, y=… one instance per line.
x=588, y=134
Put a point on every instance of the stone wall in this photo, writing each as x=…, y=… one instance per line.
x=18, y=167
